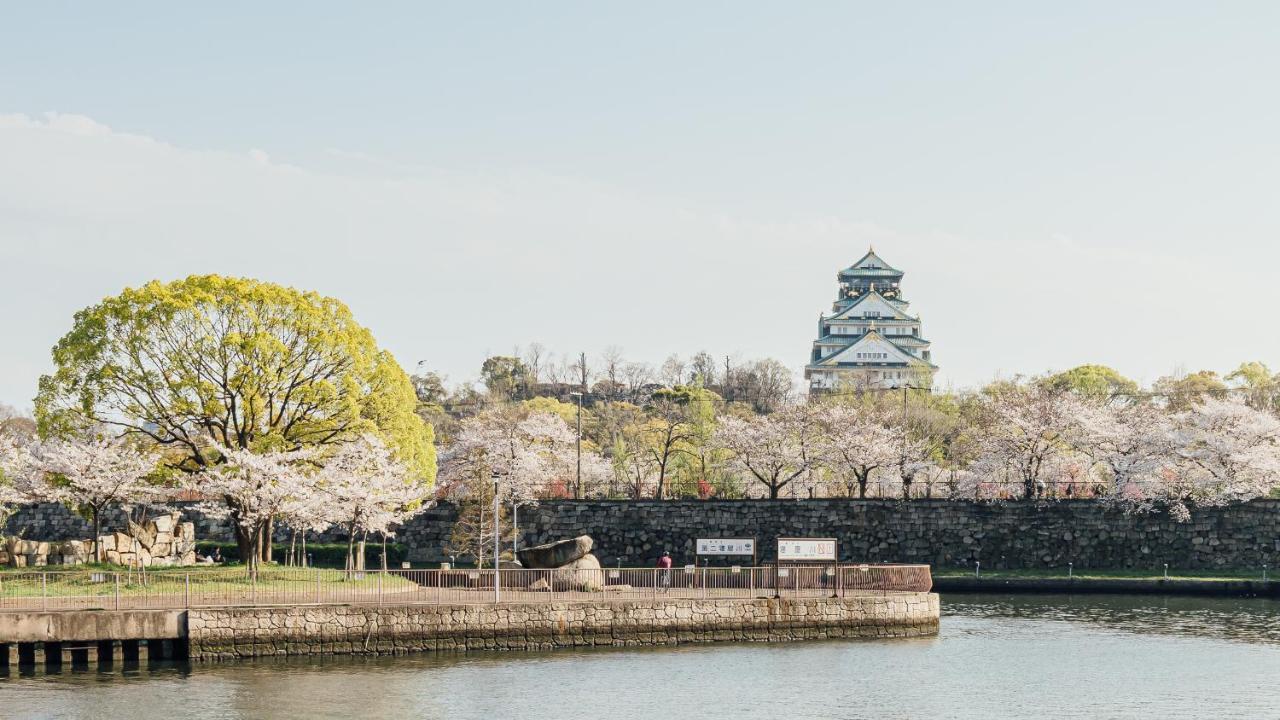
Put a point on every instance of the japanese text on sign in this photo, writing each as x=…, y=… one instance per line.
x=726, y=546
x=806, y=549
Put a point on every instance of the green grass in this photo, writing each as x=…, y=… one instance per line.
x=1096, y=574
x=224, y=580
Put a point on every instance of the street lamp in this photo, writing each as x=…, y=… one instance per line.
x=577, y=486
x=497, y=537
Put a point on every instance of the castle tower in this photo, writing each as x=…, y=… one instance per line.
x=869, y=340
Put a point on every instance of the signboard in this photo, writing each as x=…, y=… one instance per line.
x=726, y=546
x=800, y=549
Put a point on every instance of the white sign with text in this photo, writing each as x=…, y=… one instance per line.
x=795, y=549
x=726, y=546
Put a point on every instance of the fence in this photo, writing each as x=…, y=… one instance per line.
x=229, y=587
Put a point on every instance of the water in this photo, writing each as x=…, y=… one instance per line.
x=996, y=657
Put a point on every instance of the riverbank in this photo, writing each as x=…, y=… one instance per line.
x=1126, y=582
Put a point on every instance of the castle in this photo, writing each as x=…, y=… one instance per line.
x=869, y=341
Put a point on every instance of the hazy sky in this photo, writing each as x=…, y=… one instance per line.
x=1067, y=183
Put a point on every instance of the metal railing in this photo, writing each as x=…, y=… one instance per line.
x=230, y=587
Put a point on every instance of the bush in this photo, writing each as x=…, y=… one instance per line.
x=322, y=554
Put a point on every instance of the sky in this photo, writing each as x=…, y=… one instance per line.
x=1063, y=183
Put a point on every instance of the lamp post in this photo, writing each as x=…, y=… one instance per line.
x=497, y=537
x=577, y=485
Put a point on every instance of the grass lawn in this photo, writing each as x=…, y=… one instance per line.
x=99, y=580
x=1094, y=574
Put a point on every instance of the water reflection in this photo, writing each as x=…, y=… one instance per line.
x=996, y=657
x=1245, y=620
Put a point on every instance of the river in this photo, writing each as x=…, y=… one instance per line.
x=995, y=657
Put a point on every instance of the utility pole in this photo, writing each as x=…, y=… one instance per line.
x=497, y=550
x=577, y=486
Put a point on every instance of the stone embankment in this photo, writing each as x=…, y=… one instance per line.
x=391, y=630
x=54, y=638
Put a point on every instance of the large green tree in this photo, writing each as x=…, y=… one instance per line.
x=237, y=362
x=1093, y=382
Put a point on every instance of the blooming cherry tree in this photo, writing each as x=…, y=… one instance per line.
x=255, y=488
x=19, y=475
x=1131, y=444
x=1227, y=452
x=853, y=442
x=1027, y=427
x=95, y=473
x=368, y=490
x=524, y=453
x=776, y=450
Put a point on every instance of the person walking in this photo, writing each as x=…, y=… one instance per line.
x=664, y=571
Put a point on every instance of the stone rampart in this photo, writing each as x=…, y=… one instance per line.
x=941, y=533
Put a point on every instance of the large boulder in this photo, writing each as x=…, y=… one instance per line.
x=556, y=554
x=581, y=575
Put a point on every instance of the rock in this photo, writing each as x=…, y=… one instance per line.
x=19, y=560
x=161, y=549
x=164, y=524
x=556, y=554
x=4, y=557
x=582, y=575
x=146, y=536
x=540, y=584
x=122, y=542
x=187, y=558
x=186, y=530
x=107, y=542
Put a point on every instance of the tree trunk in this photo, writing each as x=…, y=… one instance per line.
x=97, y=535
x=351, y=544
x=268, y=531
x=245, y=541
x=360, y=560
x=384, y=552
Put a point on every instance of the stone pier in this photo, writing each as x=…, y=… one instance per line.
x=69, y=639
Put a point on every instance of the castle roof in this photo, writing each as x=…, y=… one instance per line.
x=872, y=341
x=894, y=310
x=871, y=265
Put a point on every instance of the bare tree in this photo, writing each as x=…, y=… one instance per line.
x=535, y=357
x=672, y=371
x=637, y=376
x=611, y=365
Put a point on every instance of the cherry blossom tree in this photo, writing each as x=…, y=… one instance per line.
x=1131, y=444
x=95, y=473
x=775, y=450
x=255, y=488
x=1026, y=428
x=1227, y=452
x=19, y=475
x=514, y=452
x=523, y=452
x=853, y=442
x=368, y=490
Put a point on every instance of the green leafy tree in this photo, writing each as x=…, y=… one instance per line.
x=1261, y=387
x=234, y=362
x=1182, y=393
x=506, y=377
x=1092, y=382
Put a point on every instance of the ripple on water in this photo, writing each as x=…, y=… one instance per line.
x=995, y=657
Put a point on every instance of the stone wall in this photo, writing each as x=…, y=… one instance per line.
x=268, y=631
x=937, y=532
